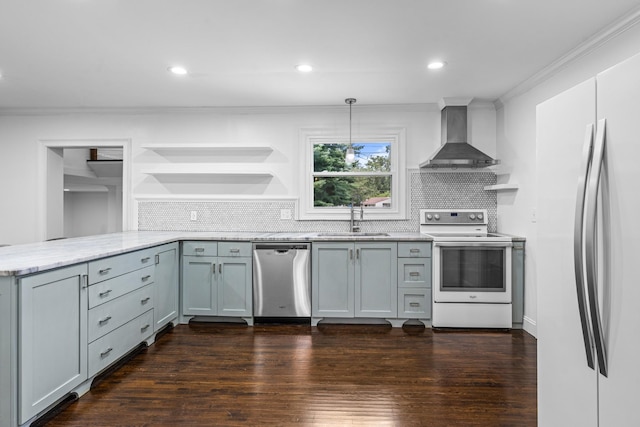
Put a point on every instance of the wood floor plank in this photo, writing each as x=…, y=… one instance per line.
x=227, y=375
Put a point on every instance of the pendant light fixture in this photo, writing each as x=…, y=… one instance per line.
x=350, y=157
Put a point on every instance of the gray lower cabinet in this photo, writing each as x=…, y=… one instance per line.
x=414, y=280
x=354, y=279
x=52, y=343
x=217, y=285
x=166, y=285
x=517, y=278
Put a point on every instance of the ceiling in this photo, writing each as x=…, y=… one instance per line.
x=115, y=53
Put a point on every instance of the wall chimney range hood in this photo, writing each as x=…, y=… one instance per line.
x=455, y=151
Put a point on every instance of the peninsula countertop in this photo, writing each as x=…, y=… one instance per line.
x=31, y=258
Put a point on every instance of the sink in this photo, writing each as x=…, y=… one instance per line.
x=347, y=233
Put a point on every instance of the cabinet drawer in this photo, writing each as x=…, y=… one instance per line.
x=200, y=248
x=107, y=290
x=106, y=350
x=414, y=272
x=115, y=313
x=414, y=303
x=234, y=249
x=107, y=268
x=414, y=249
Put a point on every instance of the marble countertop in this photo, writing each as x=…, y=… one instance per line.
x=35, y=257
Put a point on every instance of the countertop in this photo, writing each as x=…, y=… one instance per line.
x=35, y=257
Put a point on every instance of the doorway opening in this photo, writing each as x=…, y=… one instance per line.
x=85, y=188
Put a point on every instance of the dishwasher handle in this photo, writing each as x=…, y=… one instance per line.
x=280, y=248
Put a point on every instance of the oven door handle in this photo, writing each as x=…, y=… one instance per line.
x=474, y=244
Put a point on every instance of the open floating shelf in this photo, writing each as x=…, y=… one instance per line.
x=209, y=148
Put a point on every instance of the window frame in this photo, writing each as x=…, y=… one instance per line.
x=310, y=137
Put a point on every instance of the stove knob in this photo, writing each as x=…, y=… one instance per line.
x=437, y=217
x=472, y=217
x=480, y=216
x=429, y=217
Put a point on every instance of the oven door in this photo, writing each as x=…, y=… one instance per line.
x=472, y=272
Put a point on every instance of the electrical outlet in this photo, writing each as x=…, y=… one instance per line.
x=194, y=215
x=285, y=213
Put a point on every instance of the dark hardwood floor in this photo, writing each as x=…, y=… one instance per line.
x=225, y=375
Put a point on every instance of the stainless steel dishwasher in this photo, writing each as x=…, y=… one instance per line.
x=281, y=280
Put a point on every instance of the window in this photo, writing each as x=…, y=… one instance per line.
x=373, y=180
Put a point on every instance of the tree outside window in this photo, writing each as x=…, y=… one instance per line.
x=367, y=181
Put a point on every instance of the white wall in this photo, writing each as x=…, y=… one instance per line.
x=86, y=213
x=517, y=147
x=21, y=135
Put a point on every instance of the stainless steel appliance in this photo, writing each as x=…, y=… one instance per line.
x=281, y=280
x=471, y=270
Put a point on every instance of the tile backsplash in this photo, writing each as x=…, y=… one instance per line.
x=436, y=190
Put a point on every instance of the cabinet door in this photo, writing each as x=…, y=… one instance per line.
x=8, y=310
x=332, y=280
x=376, y=290
x=234, y=286
x=199, y=295
x=166, y=283
x=52, y=337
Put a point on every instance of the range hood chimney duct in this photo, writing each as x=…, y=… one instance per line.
x=455, y=151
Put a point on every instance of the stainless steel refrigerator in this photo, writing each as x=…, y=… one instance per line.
x=588, y=257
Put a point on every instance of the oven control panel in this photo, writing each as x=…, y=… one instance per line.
x=460, y=216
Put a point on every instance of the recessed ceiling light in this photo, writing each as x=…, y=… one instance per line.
x=436, y=65
x=181, y=71
x=304, y=68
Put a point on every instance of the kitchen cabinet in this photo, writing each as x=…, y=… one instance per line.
x=517, y=283
x=166, y=298
x=52, y=337
x=354, y=279
x=414, y=280
x=217, y=279
x=587, y=311
x=122, y=291
x=7, y=348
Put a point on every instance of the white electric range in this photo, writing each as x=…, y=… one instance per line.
x=471, y=269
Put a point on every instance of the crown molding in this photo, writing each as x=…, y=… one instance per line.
x=593, y=43
x=407, y=108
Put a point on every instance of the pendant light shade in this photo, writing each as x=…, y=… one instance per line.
x=350, y=156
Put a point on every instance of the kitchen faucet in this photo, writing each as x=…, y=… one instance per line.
x=352, y=222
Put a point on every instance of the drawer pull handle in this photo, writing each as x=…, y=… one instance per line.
x=103, y=321
x=147, y=277
x=414, y=304
x=104, y=293
x=106, y=352
x=144, y=328
x=104, y=270
x=145, y=300
x=199, y=249
x=414, y=273
x=234, y=250
x=414, y=250
x=145, y=259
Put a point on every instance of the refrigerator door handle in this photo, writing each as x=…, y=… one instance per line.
x=578, y=242
x=591, y=247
